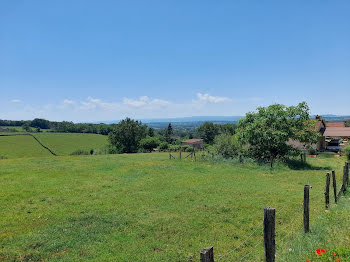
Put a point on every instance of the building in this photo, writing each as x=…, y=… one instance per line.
x=196, y=143
x=335, y=124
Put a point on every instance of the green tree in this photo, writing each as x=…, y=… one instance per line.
x=226, y=145
x=151, y=132
x=148, y=143
x=41, y=123
x=126, y=135
x=169, y=133
x=26, y=127
x=267, y=132
x=208, y=131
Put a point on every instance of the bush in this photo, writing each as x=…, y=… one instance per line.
x=189, y=149
x=3, y=157
x=79, y=152
x=311, y=151
x=226, y=146
x=347, y=152
x=175, y=147
x=163, y=146
x=148, y=143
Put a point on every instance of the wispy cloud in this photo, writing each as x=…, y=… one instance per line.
x=16, y=101
x=145, y=101
x=206, y=98
x=98, y=109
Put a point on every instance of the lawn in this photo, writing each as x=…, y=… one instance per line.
x=67, y=143
x=21, y=146
x=145, y=207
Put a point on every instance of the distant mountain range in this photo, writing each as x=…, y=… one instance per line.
x=216, y=119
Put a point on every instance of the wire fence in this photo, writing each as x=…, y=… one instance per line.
x=290, y=228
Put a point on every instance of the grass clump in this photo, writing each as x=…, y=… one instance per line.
x=80, y=152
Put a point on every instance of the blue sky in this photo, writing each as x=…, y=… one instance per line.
x=105, y=60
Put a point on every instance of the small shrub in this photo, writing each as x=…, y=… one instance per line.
x=227, y=146
x=189, y=149
x=347, y=152
x=3, y=157
x=91, y=152
x=163, y=146
x=79, y=152
x=311, y=151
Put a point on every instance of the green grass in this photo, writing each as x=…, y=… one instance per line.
x=144, y=207
x=21, y=146
x=67, y=143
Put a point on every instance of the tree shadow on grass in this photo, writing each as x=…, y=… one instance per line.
x=299, y=165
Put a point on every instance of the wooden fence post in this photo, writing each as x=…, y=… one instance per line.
x=344, y=179
x=269, y=234
x=334, y=186
x=326, y=192
x=306, y=208
x=347, y=173
x=207, y=254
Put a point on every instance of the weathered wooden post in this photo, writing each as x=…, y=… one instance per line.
x=334, y=186
x=269, y=234
x=207, y=254
x=306, y=208
x=326, y=192
x=344, y=179
x=347, y=173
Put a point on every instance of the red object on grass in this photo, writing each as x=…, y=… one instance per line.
x=319, y=251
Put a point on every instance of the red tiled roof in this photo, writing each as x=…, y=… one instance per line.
x=194, y=140
x=335, y=124
x=337, y=131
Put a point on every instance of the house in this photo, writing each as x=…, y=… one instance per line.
x=335, y=124
x=196, y=143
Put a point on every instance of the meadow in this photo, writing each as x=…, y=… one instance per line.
x=20, y=146
x=67, y=143
x=145, y=207
x=17, y=146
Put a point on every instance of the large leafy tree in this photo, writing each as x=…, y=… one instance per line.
x=126, y=135
x=268, y=131
x=208, y=131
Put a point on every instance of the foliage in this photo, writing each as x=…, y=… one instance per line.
x=40, y=123
x=347, y=152
x=80, y=152
x=208, y=131
x=227, y=146
x=163, y=146
x=148, y=143
x=3, y=157
x=126, y=135
x=26, y=127
x=169, y=133
x=311, y=150
x=228, y=129
x=151, y=132
x=268, y=131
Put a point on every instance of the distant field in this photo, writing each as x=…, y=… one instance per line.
x=21, y=146
x=145, y=207
x=67, y=143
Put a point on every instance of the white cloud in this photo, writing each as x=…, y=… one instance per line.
x=145, y=101
x=68, y=102
x=206, y=98
x=16, y=101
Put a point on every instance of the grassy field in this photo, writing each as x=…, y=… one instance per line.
x=144, y=207
x=21, y=146
x=67, y=143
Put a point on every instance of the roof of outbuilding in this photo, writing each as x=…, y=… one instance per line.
x=337, y=131
x=335, y=124
x=194, y=140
